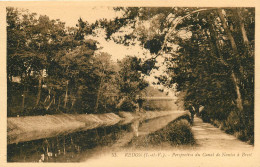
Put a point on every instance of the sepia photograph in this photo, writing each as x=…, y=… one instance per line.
x=119, y=84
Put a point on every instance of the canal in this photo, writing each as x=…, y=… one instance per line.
x=82, y=145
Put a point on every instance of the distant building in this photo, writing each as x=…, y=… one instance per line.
x=16, y=79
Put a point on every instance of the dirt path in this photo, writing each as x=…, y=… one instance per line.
x=209, y=137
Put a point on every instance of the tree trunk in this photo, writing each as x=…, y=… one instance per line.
x=215, y=47
x=98, y=94
x=39, y=91
x=242, y=28
x=24, y=96
x=234, y=47
x=73, y=102
x=231, y=39
x=227, y=30
x=53, y=99
x=239, y=98
x=58, y=104
x=77, y=95
x=233, y=76
x=66, y=94
x=64, y=146
x=48, y=96
x=99, y=90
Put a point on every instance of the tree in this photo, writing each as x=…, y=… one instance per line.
x=206, y=52
x=130, y=80
x=77, y=66
x=42, y=49
x=31, y=42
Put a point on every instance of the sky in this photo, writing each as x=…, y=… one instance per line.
x=70, y=13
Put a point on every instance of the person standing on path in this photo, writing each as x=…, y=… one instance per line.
x=140, y=102
x=192, y=113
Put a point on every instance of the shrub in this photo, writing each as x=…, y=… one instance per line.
x=127, y=105
x=180, y=133
x=205, y=116
x=232, y=123
x=176, y=133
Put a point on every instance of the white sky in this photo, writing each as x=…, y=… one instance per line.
x=69, y=13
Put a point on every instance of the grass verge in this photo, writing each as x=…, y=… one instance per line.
x=176, y=133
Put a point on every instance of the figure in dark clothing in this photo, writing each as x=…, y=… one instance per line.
x=192, y=113
x=140, y=102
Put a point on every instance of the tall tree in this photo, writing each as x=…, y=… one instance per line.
x=206, y=52
x=130, y=80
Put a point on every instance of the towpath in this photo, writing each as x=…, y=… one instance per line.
x=209, y=137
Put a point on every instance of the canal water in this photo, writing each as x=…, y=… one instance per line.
x=83, y=145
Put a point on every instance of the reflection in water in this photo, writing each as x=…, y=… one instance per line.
x=82, y=145
x=66, y=148
x=134, y=127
